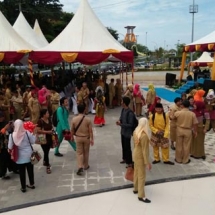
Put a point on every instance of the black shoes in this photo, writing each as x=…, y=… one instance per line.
x=6, y=177
x=23, y=190
x=80, y=171
x=155, y=162
x=87, y=168
x=168, y=162
x=58, y=154
x=144, y=200
x=122, y=162
x=30, y=186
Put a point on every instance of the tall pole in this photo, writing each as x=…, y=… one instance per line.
x=146, y=39
x=20, y=6
x=193, y=10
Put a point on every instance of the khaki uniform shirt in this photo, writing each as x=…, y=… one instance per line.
x=185, y=119
x=84, y=129
x=80, y=98
x=172, y=111
x=85, y=93
x=111, y=89
x=8, y=93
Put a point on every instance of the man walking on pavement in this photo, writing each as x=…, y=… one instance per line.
x=126, y=122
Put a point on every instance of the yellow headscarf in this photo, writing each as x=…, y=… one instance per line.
x=143, y=126
x=151, y=87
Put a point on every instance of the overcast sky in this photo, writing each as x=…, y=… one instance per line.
x=166, y=22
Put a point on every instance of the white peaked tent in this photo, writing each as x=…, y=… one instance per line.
x=204, y=60
x=85, y=40
x=39, y=33
x=12, y=45
x=23, y=28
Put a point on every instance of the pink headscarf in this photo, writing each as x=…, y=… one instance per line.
x=19, y=132
x=137, y=91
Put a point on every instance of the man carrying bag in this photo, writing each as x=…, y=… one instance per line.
x=81, y=128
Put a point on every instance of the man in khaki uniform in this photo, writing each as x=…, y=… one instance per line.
x=55, y=99
x=81, y=128
x=172, y=110
x=25, y=98
x=85, y=92
x=111, y=92
x=186, y=123
x=8, y=92
x=79, y=99
x=118, y=91
x=4, y=106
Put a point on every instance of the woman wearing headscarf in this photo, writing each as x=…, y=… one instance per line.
x=197, y=145
x=210, y=106
x=151, y=109
x=198, y=97
x=100, y=107
x=129, y=94
x=150, y=96
x=142, y=135
x=23, y=140
x=139, y=100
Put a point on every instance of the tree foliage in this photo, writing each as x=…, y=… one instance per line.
x=113, y=32
x=49, y=13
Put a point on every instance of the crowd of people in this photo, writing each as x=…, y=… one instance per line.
x=183, y=127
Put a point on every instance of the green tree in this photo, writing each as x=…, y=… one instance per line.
x=159, y=52
x=113, y=32
x=142, y=48
x=46, y=11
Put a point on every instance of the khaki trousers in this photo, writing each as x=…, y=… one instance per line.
x=82, y=151
x=110, y=100
x=138, y=109
x=86, y=101
x=183, y=143
x=139, y=179
x=164, y=151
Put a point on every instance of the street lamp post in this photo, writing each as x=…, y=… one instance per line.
x=193, y=9
x=146, y=39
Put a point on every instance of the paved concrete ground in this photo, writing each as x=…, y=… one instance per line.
x=105, y=170
x=172, y=198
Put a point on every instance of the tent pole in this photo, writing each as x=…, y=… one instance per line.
x=122, y=77
x=70, y=67
x=120, y=73
x=213, y=70
x=126, y=76
x=182, y=66
x=132, y=78
x=31, y=72
x=52, y=72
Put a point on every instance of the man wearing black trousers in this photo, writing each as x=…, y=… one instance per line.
x=126, y=122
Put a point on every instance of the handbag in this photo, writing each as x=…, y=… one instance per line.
x=14, y=151
x=35, y=156
x=41, y=138
x=129, y=175
x=55, y=141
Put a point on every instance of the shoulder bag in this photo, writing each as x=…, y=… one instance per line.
x=79, y=124
x=14, y=151
x=35, y=156
x=41, y=138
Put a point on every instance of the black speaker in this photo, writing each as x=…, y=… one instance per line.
x=170, y=79
x=208, y=84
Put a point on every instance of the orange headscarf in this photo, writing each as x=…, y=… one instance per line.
x=198, y=97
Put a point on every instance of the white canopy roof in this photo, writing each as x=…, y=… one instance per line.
x=23, y=28
x=84, y=33
x=205, y=58
x=39, y=33
x=208, y=39
x=10, y=40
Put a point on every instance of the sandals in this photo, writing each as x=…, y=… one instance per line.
x=48, y=170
